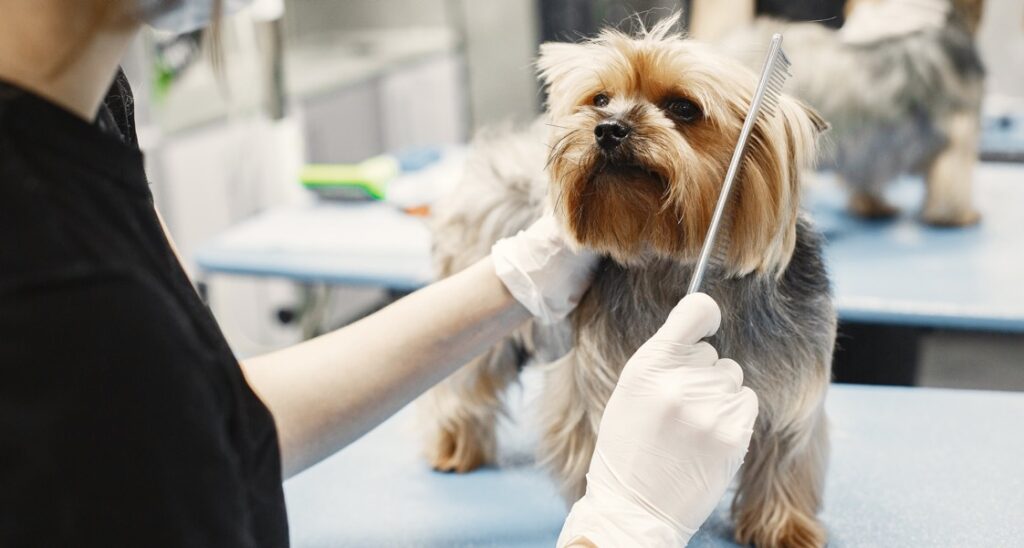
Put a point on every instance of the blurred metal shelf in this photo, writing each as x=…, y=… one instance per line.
x=312, y=68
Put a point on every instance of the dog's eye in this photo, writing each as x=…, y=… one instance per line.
x=601, y=100
x=683, y=109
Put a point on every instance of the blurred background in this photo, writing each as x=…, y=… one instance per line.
x=342, y=81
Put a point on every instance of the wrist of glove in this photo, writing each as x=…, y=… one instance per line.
x=542, y=271
x=605, y=519
x=671, y=440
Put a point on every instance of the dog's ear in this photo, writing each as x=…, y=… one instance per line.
x=561, y=66
x=781, y=147
x=558, y=59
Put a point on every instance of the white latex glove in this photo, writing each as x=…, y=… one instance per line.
x=671, y=439
x=872, y=21
x=542, y=271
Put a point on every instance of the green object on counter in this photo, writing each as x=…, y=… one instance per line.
x=365, y=180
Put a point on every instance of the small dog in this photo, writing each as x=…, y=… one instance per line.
x=905, y=104
x=631, y=157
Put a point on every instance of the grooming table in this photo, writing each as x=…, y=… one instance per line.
x=893, y=272
x=909, y=467
x=906, y=273
x=357, y=243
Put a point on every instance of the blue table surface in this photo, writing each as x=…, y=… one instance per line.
x=905, y=272
x=897, y=271
x=909, y=467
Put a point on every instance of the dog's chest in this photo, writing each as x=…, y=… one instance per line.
x=626, y=305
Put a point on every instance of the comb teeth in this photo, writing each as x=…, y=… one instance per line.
x=766, y=97
x=777, y=73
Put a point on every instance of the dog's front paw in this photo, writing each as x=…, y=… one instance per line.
x=869, y=206
x=792, y=529
x=456, y=448
x=950, y=217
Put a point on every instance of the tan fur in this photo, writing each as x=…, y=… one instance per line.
x=870, y=205
x=970, y=12
x=650, y=217
x=948, y=176
x=783, y=476
x=466, y=406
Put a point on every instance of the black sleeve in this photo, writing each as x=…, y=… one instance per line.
x=113, y=428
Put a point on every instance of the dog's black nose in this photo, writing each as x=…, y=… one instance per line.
x=611, y=134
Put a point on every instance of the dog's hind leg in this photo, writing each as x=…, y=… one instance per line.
x=948, y=200
x=783, y=478
x=463, y=409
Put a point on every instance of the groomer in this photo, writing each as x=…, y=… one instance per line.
x=125, y=420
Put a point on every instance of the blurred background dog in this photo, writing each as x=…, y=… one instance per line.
x=631, y=156
x=901, y=85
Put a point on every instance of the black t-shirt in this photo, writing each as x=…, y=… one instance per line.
x=125, y=419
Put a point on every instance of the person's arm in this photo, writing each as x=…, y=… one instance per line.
x=326, y=392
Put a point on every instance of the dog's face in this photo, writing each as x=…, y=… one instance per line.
x=642, y=131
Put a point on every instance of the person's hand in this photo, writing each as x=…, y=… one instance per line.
x=542, y=271
x=672, y=437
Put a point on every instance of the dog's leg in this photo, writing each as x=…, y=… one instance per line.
x=464, y=408
x=870, y=204
x=783, y=479
x=576, y=389
x=948, y=201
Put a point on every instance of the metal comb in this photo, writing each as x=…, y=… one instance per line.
x=766, y=97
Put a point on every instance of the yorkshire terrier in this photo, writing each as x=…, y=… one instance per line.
x=630, y=157
x=904, y=104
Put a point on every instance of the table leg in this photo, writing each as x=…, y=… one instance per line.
x=203, y=289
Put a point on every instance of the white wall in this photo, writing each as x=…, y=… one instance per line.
x=1001, y=41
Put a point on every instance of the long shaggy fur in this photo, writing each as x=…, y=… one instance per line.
x=908, y=104
x=646, y=206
